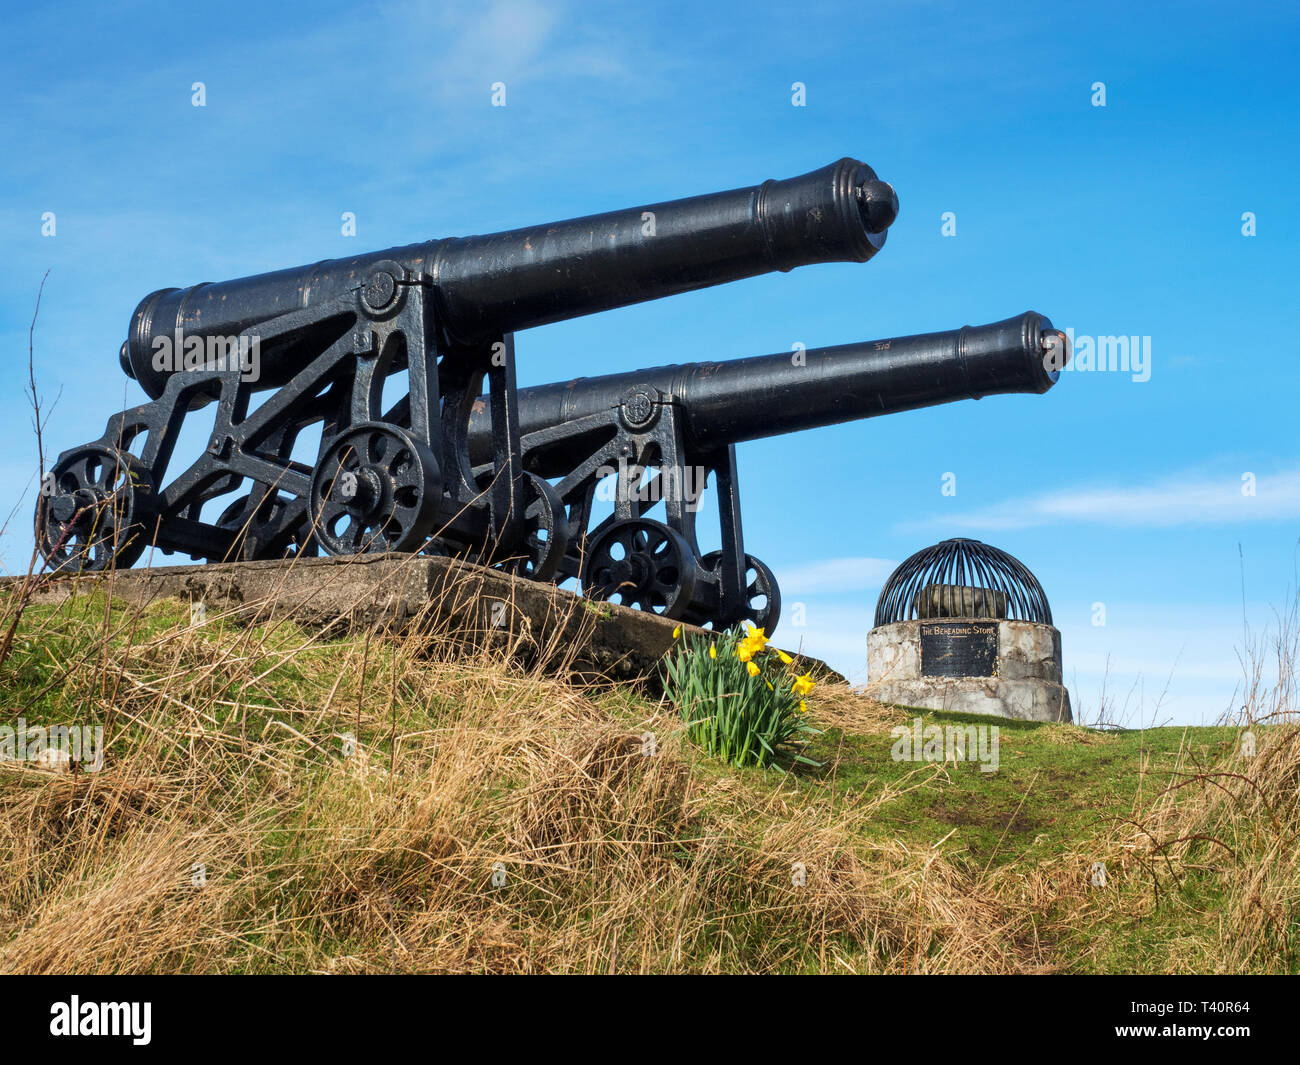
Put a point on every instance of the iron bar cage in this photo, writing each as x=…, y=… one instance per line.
x=962, y=578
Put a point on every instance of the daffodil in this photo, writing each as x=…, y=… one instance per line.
x=786, y=660
x=803, y=707
x=744, y=652
x=677, y=632
x=753, y=668
x=803, y=685
x=713, y=650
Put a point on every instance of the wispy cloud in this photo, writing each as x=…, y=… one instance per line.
x=855, y=574
x=518, y=40
x=1186, y=499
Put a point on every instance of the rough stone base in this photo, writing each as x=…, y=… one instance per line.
x=441, y=599
x=1026, y=683
x=1028, y=700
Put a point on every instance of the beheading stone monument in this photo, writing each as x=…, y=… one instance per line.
x=966, y=627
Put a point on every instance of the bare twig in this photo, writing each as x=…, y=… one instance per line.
x=31, y=579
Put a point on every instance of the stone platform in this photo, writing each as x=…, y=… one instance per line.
x=439, y=599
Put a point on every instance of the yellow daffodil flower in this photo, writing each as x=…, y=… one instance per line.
x=713, y=650
x=677, y=632
x=743, y=652
x=803, y=707
x=786, y=660
x=803, y=685
x=753, y=668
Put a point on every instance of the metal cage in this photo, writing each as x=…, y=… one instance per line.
x=962, y=578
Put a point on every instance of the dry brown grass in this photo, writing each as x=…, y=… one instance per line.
x=840, y=706
x=499, y=819
x=611, y=848
x=1201, y=876
x=1235, y=825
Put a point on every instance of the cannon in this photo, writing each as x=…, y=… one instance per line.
x=656, y=436
x=325, y=340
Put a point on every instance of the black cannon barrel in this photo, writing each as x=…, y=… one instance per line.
x=501, y=282
x=745, y=399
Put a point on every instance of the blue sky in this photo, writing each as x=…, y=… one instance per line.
x=1116, y=220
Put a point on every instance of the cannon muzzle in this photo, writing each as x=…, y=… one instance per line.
x=487, y=286
x=722, y=403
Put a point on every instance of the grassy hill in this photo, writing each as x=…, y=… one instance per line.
x=274, y=799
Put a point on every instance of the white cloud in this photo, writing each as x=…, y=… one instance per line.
x=1186, y=499
x=511, y=40
x=854, y=574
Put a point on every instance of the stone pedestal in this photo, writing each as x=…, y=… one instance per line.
x=971, y=665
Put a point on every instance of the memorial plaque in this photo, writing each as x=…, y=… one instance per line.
x=959, y=648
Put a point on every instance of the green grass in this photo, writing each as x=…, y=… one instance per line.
x=1055, y=785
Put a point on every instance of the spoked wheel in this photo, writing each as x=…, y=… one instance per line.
x=641, y=563
x=546, y=538
x=270, y=530
x=762, y=596
x=376, y=488
x=87, y=519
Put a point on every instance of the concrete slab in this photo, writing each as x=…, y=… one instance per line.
x=438, y=598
